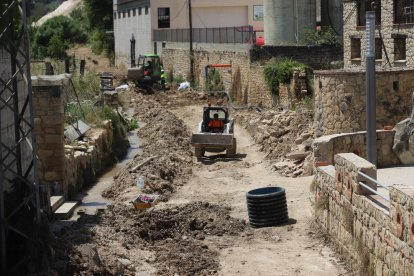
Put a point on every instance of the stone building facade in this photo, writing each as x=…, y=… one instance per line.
x=394, y=38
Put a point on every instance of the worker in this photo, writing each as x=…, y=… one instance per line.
x=163, y=79
x=149, y=67
x=216, y=125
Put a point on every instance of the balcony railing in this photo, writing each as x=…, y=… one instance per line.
x=242, y=34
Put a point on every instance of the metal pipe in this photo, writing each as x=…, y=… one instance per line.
x=372, y=190
x=190, y=17
x=370, y=88
x=373, y=180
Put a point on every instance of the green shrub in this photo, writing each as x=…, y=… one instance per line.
x=276, y=72
x=325, y=36
x=133, y=124
x=214, y=82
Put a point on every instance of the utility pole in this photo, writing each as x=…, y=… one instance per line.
x=190, y=18
x=370, y=83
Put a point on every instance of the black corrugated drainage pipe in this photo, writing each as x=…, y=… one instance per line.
x=267, y=207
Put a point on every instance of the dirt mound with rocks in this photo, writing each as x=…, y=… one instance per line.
x=285, y=136
x=107, y=244
x=167, y=141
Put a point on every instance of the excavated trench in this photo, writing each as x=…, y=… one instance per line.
x=200, y=227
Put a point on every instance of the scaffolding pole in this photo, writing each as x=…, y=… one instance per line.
x=17, y=138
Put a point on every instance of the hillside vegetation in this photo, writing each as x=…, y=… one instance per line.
x=91, y=24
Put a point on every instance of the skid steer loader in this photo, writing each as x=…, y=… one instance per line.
x=213, y=140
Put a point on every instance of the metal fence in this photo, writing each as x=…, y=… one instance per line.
x=242, y=34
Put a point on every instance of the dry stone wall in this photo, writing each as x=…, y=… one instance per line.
x=339, y=99
x=86, y=160
x=377, y=234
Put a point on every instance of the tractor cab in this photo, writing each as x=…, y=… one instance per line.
x=147, y=71
x=208, y=115
x=206, y=139
x=150, y=66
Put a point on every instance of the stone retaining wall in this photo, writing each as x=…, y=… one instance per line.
x=378, y=235
x=339, y=99
x=83, y=166
x=326, y=147
x=65, y=169
x=251, y=76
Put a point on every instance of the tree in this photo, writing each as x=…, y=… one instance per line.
x=57, y=48
x=61, y=28
x=99, y=14
x=100, y=17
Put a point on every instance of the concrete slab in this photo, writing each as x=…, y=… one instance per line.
x=396, y=175
x=56, y=202
x=66, y=210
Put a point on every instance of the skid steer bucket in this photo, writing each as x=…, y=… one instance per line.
x=212, y=140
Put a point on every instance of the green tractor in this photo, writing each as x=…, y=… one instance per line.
x=148, y=71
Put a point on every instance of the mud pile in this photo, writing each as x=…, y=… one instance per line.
x=286, y=137
x=167, y=141
x=175, y=236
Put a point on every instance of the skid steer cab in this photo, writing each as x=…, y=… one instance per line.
x=215, y=132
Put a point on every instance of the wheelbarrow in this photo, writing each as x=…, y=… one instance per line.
x=143, y=202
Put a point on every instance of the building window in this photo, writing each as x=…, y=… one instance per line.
x=403, y=11
x=399, y=48
x=361, y=20
x=355, y=48
x=129, y=13
x=146, y=9
x=123, y=14
x=139, y=11
x=163, y=18
x=119, y=14
x=114, y=15
x=378, y=48
x=134, y=12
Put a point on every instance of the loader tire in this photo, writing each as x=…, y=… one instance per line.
x=199, y=152
x=231, y=152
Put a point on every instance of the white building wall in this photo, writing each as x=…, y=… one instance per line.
x=139, y=25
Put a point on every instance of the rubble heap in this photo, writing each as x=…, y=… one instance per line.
x=176, y=235
x=167, y=141
x=285, y=136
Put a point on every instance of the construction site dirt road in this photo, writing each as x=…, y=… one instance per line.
x=201, y=225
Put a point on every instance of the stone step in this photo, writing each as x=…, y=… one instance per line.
x=56, y=202
x=66, y=210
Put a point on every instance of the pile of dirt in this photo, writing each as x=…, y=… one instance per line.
x=175, y=99
x=285, y=136
x=175, y=236
x=166, y=140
